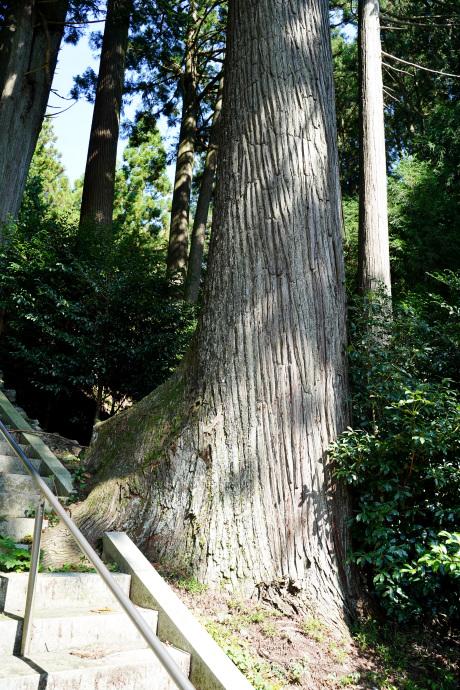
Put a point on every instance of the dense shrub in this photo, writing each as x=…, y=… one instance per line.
x=403, y=454
x=90, y=309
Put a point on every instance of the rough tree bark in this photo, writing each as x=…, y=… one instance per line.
x=224, y=468
x=99, y=184
x=373, y=245
x=176, y=261
x=197, y=240
x=29, y=43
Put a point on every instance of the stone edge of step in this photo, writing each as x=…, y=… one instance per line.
x=211, y=669
x=50, y=465
x=136, y=656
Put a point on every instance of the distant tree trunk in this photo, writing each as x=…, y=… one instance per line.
x=99, y=394
x=373, y=245
x=29, y=43
x=224, y=468
x=180, y=206
x=99, y=184
x=195, y=258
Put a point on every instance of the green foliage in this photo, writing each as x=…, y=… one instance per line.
x=424, y=199
x=47, y=195
x=408, y=657
x=298, y=669
x=82, y=567
x=351, y=222
x=141, y=184
x=402, y=456
x=191, y=585
x=90, y=308
x=350, y=679
x=260, y=673
x=424, y=216
x=445, y=556
x=347, y=104
x=13, y=558
x=314, y=629
x=49, y=515
x=423, y=205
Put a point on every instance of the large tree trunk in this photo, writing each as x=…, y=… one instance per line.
x=29, y=43
x=373, y=245
x=197, y=240
x=99, y=184
x=224, y=469
x=176, y=261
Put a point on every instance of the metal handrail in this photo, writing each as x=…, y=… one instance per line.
x=149, y=636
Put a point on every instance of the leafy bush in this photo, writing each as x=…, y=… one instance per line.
x=90, y=309
x=403, y=454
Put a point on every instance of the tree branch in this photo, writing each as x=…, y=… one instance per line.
x=425, y=69
x=403, y=71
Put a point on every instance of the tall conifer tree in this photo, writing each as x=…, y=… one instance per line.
x=224, y=468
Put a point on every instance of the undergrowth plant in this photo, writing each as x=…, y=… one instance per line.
x=12, y=557
x=402, y=455
x=83, y=567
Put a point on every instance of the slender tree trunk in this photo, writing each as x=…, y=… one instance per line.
x=180, y=206
x=29, y=42
x=195, y=258
x=373, y=245
x=99, y=394
x=224, y=469
x=99, y=184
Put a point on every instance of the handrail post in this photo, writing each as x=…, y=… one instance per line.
x=34, y=561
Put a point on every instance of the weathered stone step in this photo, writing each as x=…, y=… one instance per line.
x=22, y=483
x=5, y=449
x=60, y=590
x=18, y=528
x=11, y=463
x=18, y=504
x=114, y=670
x=68, y=629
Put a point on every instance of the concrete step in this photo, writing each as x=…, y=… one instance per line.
x=5, y=449
x=107, y=669
x=59, y=590
x=11, y=463
x=21, y=483
x=18, y=504
x=68, y=629
x=10, y=634
x=18, y=528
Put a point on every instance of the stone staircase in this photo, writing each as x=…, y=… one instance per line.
x=18, y=493
x=81, y=639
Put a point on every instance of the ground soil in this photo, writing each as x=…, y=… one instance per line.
x=294, y=652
